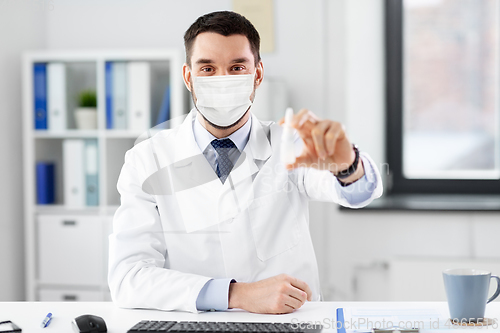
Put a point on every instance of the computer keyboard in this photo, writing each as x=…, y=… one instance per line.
x=204, y=326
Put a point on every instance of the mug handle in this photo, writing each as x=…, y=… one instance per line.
x=497, y=292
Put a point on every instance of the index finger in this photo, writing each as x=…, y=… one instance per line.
x=302, y=286
x=302, y=117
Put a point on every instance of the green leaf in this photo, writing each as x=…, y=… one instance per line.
x=87, y=99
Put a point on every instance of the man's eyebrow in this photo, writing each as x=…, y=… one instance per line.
x=204, y=61
x=240, y=60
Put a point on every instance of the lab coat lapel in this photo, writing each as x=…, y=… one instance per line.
x=196, y=185
x=257, y=150
x=259, y=141
x=237, y=192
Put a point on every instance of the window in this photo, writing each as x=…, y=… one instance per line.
x=443, y=118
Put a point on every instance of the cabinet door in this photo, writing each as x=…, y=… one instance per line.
x=71, y=250
x=69, y=295
x=107, y=296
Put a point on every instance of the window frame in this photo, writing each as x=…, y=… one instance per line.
x=397, y=182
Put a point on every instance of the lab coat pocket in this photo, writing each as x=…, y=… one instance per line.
x=275, y=227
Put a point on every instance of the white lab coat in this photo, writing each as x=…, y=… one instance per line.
x=178, y=226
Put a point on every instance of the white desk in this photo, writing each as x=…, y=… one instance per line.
x=29, y=315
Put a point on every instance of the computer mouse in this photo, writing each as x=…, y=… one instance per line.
x=89, y=324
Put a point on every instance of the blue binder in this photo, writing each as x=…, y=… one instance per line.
x=109, y=95
x=45, y=183
x=40, y=95
x=164, y=113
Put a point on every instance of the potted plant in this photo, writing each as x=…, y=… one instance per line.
x=86, y=113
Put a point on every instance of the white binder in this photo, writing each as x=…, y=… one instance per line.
x=139, y=100
x=56, y=97
x=74, y=173
x=119, y=95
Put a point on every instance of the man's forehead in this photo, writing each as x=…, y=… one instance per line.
x=210, y=47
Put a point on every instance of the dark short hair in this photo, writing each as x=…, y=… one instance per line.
x=225, y=23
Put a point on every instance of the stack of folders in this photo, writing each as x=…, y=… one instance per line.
x=128, y=97
x=50, y=96
x=81, y=175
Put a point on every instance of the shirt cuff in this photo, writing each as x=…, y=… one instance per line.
x=214, y=296
x=362, y=189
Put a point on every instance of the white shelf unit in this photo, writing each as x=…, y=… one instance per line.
x=66, y=248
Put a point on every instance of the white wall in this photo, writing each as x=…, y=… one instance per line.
x=364, y=82
x=22, y=26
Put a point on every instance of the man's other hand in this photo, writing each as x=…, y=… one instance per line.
x=277, y=294
x=326, y=146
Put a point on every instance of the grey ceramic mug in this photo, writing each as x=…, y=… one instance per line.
x=467, y=292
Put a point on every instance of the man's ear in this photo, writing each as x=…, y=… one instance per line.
x=186, y=75
x=259, y=74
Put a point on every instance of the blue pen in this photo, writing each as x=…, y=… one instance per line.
x=340, y=320
x=46, y=320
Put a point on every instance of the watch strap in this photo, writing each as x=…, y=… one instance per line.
x=352, y=168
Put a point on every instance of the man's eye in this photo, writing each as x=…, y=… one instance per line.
x=206, y=69
x=238, y=68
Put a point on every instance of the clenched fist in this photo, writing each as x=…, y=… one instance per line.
x=276, y=295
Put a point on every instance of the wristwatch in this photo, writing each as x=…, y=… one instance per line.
x=352, y=169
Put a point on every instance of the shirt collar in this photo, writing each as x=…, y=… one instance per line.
x=203, y=137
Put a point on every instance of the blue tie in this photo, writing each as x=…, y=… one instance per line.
x=224, y=164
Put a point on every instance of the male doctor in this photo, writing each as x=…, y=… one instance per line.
x=210, y=218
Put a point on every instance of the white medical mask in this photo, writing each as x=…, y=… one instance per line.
x=223, y=99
